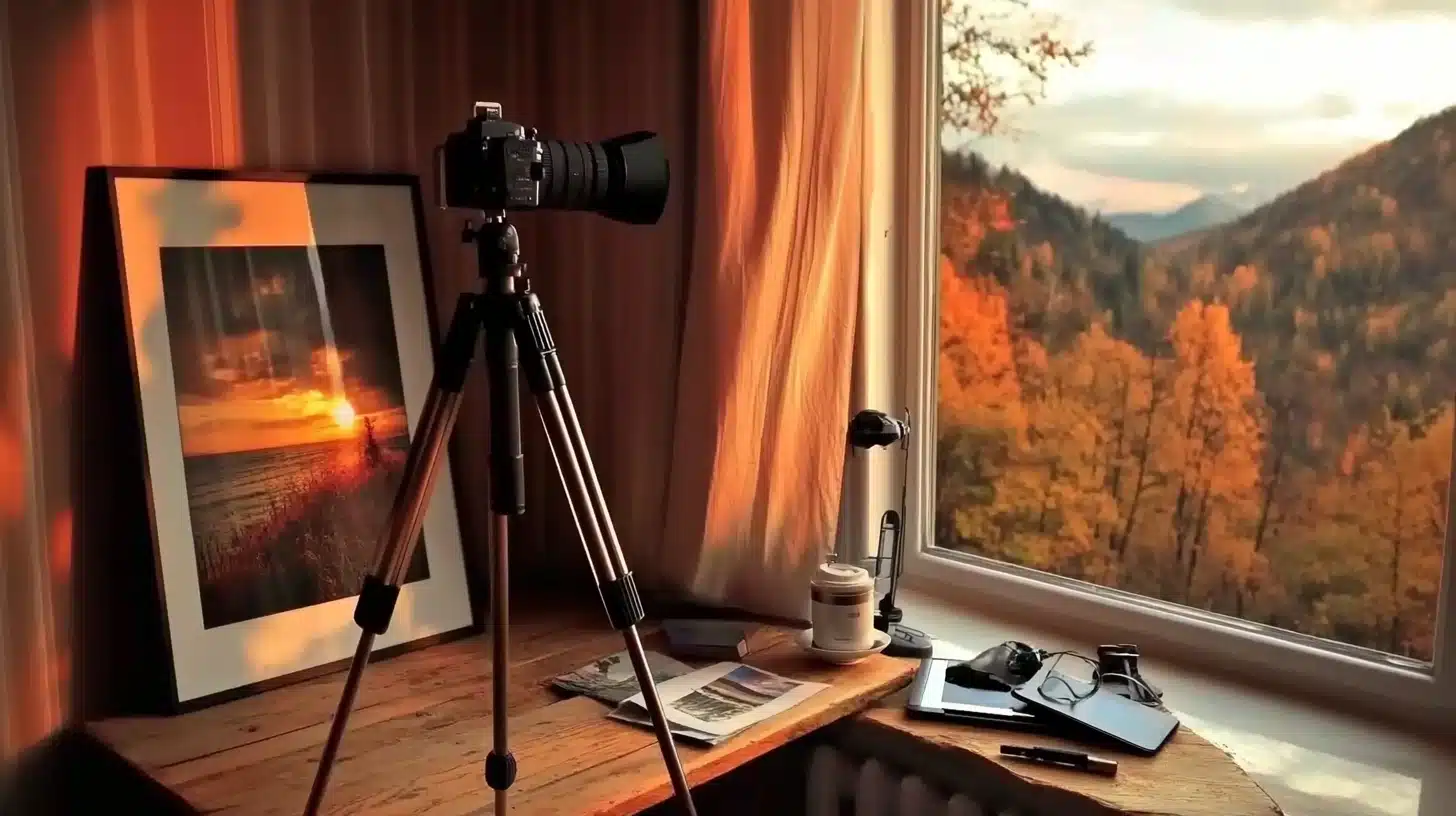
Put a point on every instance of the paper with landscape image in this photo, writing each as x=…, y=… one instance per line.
x=292, y=419
x=612, y=679
x=721, y=700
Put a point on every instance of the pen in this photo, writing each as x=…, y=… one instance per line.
x=1062, y=759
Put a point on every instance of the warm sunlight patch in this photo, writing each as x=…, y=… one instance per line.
x=343, y=414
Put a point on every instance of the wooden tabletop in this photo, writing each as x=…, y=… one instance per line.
x=421, y=729
x=1188, y=777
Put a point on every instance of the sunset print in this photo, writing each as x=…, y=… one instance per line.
x=293, y=425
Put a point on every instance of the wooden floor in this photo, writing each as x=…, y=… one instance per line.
x=421, y=729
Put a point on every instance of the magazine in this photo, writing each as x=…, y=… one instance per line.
x=710, y=705
x=612, y=680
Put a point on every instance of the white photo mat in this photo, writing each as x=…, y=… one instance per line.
x=152, y=213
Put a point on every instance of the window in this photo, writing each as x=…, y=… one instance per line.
x=1186, y=319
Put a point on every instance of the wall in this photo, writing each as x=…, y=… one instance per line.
x=338, y=84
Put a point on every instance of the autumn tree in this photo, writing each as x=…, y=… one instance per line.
x=995, y=54
x=989, y=63
x=977, y=379
x=980, y=413
x=1392, y=501
x=1123, y=390
x=1206, y=454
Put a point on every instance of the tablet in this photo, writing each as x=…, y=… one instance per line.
x=932, y=697
x=1131, y=725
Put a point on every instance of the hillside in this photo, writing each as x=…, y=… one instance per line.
x=1345, y=284
x=1063, y=267
x=1201, y=213
x=1254, y=418
x=1349, y=279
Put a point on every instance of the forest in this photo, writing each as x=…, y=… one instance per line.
x=1254, y=420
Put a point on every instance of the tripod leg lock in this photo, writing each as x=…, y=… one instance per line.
x=376, y=605
x=500, y=770
x=539, y=360
x=624, y=605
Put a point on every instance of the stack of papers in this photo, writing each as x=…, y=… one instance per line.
x=710, y=705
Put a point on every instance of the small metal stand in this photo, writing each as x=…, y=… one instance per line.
x=515, y=333
x=870, y=429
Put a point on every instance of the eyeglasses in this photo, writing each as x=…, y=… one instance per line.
x=1072, y=678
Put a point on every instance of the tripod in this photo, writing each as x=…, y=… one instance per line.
x=515, y=332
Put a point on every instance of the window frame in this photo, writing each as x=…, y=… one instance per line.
x=1351, y=677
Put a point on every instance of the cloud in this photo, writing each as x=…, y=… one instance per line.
x=1142, y=112
x=1108, y=193
x=1128, y=141
x=1296, y=10
x=1270, y=169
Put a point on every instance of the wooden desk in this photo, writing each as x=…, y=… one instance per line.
x=421, y=729
x=1189, y=777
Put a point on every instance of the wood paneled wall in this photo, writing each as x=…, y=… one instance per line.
x=337, y=84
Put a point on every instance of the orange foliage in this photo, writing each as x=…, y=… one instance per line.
x=978, y=383
x=1152, y=475
x=969, y=216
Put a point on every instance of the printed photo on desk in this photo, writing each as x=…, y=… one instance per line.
x=612, y=679
x=712, y=704
x=282, y=346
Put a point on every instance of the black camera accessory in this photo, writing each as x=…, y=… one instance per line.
x=999, y=668
x=1117, y=664
x=492, y=165
x=876, y=429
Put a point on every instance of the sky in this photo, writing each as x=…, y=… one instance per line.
x=1240, y=97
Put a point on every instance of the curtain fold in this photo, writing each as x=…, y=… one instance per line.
x=769, y=333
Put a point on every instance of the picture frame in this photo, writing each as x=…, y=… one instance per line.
x=281, y=343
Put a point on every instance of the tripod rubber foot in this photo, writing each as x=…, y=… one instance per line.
x=624, y=605
x=500, y=770
x=376, y=605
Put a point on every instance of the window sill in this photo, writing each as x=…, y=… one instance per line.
x=1310, y=760
x=1211, y=645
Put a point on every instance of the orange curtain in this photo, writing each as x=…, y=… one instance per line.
x=773, y=291
x=334, y=84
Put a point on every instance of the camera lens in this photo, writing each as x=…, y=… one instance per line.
x=624, y=178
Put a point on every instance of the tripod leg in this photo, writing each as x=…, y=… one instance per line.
x=599, y=538
x=508, y=498
x=381, y=587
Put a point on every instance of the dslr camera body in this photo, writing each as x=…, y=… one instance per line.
x=493, y=165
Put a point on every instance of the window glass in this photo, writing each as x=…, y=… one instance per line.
x=1198, y=302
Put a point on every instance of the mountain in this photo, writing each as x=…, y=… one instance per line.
x=1348, y=280
x=1254, y=418
x=1062, y=266
x=1344, y=285
x=1201, y=213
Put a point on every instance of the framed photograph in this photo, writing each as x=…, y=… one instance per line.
x=281, y=344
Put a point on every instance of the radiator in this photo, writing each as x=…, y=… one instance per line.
x=842, y=783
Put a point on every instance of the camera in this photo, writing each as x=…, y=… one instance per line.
x=495, y=165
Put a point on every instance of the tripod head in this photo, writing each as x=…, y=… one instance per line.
x=497, y=247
